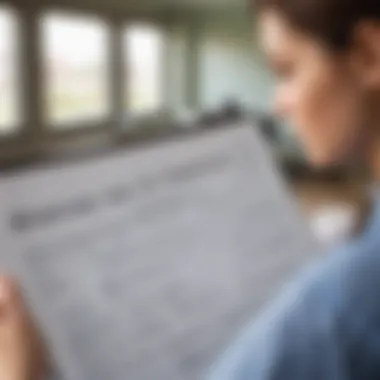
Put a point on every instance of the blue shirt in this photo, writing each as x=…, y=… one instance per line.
x=325, y=326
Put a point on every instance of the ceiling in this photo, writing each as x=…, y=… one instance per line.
x=149, y=5
x=182, y=4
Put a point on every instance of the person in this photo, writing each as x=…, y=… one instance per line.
x=325, y=325
x=22, y=352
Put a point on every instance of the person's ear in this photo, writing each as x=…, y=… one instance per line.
x=366, y=53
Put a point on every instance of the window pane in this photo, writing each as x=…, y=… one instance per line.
x=143, y=55
x=10, y=117
x=75, y=57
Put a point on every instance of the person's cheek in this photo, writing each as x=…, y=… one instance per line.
x=349, y=125
x=305, y=116
x=339, y=119
x=316, y=120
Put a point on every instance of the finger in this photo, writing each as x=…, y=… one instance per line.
x=12, y=304
x=7, y=293
x=12, y=307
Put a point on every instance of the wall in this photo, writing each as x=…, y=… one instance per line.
x=176, y=64
x=221, y=59
x=230, y=63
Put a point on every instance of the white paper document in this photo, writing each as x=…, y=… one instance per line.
x=143, y=264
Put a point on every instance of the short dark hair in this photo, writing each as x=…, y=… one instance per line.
x=331, y=21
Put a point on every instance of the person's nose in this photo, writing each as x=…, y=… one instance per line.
x=282, y=103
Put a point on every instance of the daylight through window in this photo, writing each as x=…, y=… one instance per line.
x=10, y=112
x=76, y=69
x=143, y=57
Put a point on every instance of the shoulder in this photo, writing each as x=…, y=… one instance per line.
x=332, y=289
x=346, y=274
x=300, y=333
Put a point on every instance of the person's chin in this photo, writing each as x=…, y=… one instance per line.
x=323, y=161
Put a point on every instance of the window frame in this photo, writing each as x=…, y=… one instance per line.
x=34, y=138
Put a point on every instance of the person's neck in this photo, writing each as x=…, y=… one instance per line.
x=370, y=176
x=374, y=159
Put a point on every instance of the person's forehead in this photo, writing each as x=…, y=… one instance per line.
x=276, y=35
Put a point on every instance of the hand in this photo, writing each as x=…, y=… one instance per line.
x=22, y=355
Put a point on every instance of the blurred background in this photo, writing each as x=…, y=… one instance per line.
x=78, y=77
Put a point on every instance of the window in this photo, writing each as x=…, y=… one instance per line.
x=143, y=57
x=76, y=69
x=10, y=117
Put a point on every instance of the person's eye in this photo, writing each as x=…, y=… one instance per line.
x=284, y=71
